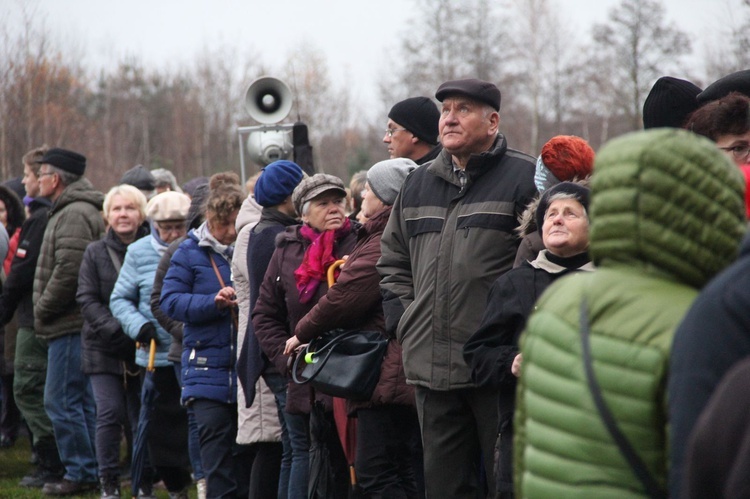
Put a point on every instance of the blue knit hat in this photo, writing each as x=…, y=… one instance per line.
x=277, y=182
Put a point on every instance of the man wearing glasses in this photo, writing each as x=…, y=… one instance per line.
x=74, y=221
x=412, y=130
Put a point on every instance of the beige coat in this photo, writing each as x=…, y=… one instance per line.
x=260, y=422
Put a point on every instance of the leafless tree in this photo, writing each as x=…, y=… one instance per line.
x=323, y=105
x=642, y=47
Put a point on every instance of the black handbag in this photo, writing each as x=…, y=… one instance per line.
x=343, y=363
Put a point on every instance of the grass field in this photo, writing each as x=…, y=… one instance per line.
x=14, y=464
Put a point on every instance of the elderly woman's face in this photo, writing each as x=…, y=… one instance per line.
x=124, y=216
x=565, y=231
x=326, y=211
x=171, y=230
x=224, y=231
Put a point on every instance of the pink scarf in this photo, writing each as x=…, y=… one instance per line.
x=318, y=257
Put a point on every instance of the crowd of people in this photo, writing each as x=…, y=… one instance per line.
x=567, y=325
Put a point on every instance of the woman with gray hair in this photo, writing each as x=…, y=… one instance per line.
x=388, y=452
x=492, y=352
x=292, y=286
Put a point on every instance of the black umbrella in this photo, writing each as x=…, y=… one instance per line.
x=140, y=444
x=321, y=482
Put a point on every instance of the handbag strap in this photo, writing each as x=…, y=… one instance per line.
x=115, y=259
x=631, y=456
x=327, y=348
x=221, y=282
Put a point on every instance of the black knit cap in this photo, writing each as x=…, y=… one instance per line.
x=63, y=159
x=480, y=90
x=669, y=103
x=734, y=82
x=420, y=116
x=581, y=193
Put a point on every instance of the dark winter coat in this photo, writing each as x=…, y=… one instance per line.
x=278, y=310
x=173, y=327
x=717, y=457
x=713, y=337
x=432, y=154
x=209, y=336
x=491, y=349
x=260, y=247
x=75, y=220
x=104, y=345
x=19, y=286
x=443, y=247
x=355, y=303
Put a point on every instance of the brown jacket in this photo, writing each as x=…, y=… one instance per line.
x=355, y=303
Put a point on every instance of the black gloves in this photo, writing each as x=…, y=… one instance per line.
x=146, y=334
x=123, y=347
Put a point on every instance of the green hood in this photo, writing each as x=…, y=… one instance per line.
x=654, y=207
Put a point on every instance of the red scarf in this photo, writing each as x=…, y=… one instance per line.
x=318, y=257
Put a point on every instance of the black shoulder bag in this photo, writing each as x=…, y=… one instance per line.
x=343, y=363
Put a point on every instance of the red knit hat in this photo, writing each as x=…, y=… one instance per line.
x=568, y=157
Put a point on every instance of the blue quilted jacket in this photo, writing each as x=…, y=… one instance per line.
x=130, y=300
x=209, y=337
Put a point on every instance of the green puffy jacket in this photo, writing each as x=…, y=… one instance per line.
x=75, y=220
x=667, y=214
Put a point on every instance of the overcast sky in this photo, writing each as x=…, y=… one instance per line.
x=358, y=37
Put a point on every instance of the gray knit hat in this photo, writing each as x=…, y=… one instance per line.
x=387, y=177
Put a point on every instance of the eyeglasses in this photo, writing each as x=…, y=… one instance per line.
x=42, y=174
x=390, y=131
x=174, y=227
x=739, y=152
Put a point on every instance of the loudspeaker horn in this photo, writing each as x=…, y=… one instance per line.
x=268, y=100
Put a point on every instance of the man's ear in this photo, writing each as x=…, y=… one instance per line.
x=494, y=122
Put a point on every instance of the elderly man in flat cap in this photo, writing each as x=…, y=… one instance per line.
x=412, y=130
x=75, y=220
x=449, y=237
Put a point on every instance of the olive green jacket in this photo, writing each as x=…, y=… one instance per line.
x=75, y=220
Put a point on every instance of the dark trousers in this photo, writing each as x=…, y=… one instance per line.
x=117, y=406
x=387, y=441
x=458, y=427
x=217, y=428
x=168, y=431
x=259, y=464
x=10, y=416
